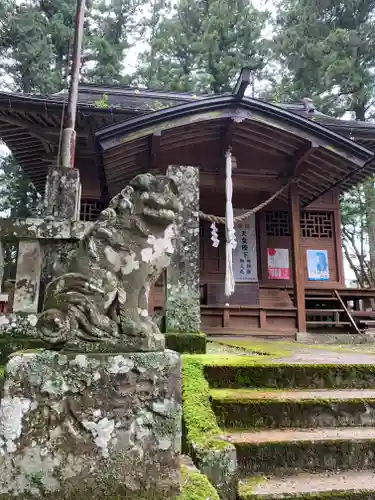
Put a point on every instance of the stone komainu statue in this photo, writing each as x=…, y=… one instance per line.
x=102, y=297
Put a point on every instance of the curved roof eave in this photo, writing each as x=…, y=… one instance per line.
x=205, y=109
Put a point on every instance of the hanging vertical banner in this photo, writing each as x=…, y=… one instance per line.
x=245, y=265
x=317, y=265
x=278, y=264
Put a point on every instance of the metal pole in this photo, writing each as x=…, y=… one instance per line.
x=69, y=134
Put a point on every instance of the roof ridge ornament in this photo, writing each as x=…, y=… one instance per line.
x=309, y=105
x=242, y=83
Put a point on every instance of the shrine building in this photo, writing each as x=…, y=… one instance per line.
x=289, y=164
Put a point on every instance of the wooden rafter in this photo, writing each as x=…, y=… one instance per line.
x=300, y=158
x=41, y=133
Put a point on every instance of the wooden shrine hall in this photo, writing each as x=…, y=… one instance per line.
x=289, y=166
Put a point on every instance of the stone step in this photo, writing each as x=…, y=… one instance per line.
x=347, y=485
x=244, y=372
x=289, y=451
x=272, y=408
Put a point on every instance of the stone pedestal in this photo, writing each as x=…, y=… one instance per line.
x=63, y=193
x=182, y=297
x=104, y=426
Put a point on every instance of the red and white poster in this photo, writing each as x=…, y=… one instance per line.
x=278, y=264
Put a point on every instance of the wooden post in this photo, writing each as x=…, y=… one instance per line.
x=298, y=272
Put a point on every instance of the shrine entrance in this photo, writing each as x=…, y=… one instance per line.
x=245, y=265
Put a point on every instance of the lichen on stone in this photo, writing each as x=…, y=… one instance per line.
x=182, y=308
x=75, y=422
x=18, y=325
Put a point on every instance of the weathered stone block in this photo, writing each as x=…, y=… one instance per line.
x=47, y=228
x=91, y=426
x=182, y=304
x=63, y=193
x=29, y=266
x=18, y=325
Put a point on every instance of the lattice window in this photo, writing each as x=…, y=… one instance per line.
x=317, y=224
x=90, y=209
x=278, y=223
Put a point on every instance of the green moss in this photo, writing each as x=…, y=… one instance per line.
x=213, y=456
x=281, y=348
x=193, y=343
x=270, y=396
x=261, y=348
x=244, y=409
x=247, y=487
x=283, y=458
x=244, y=372
x=196, y=486
x=199, y=419
x=234, y=360
x=9, y=345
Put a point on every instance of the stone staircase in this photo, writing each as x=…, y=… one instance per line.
x=301, y=432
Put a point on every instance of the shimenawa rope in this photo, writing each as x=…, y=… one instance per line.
x=221, y=220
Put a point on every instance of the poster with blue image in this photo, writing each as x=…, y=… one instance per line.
x=317, y=265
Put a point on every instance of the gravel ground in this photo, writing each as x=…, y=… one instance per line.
x=316, y=356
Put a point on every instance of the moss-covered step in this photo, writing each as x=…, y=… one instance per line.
x=246, y=373
x=289, y=451
x=193, y=343
x=348, y=485
x=273, y=408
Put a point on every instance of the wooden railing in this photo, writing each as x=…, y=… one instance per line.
x=39, y=242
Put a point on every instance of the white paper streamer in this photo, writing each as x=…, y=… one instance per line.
x=214, y=235
x=230, y=233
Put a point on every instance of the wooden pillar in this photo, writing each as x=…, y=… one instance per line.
x=182, y=291
x=298, y=271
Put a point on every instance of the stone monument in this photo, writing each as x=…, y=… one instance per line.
x=99, y=415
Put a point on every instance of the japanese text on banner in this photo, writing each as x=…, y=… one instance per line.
x=245, y=255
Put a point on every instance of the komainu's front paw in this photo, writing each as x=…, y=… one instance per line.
x=132, y=328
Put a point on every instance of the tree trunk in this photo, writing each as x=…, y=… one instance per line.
x=360, y=111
